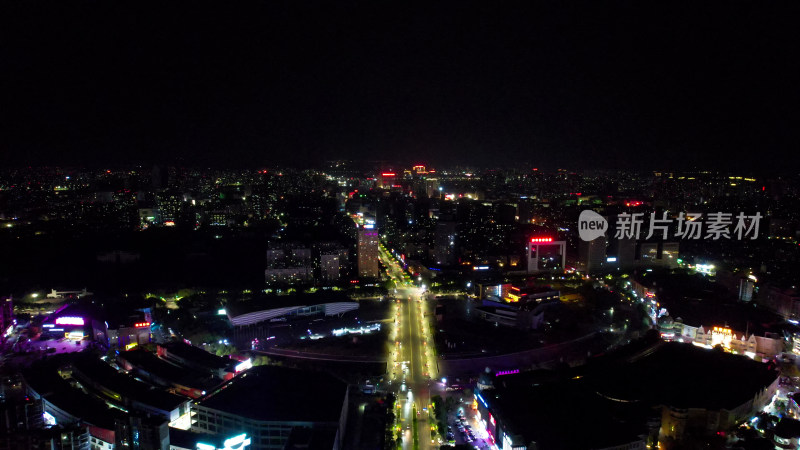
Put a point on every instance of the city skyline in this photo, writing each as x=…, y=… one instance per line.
x=386, y=226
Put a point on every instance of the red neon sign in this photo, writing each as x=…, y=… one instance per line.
x=387, y=174
x=141, y=324
x=546, y=239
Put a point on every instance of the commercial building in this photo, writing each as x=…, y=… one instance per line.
x=68, y=406
x=367, y=253
x=122, y=326
x=545, y=253
x=645, y=394
x=523, y=308
x=737, y=342
x=286, y=308
x=129, y=334
x=270, y=405
x=125, y=391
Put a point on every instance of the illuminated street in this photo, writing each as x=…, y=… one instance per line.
x=412, y=363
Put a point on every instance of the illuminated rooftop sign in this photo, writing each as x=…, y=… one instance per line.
x=543, y=239
x=722, y=330
x=70, y=321
x=141, y=324
x=240, y=442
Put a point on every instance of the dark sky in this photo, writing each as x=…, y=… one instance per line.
x=631, y=85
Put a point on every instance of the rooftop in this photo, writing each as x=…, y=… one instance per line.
x=614, y=396
x=125, y=385
x=266, y=302
x=43, y=378
x=151, y=363
x=270, y=393
x=197, y=355
x=719, y=380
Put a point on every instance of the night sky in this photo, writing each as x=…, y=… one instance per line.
x=634, y=85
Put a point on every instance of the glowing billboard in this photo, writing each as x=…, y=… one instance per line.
x=70, y=321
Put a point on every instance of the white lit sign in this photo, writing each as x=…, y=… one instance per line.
x=49, y=419
x=507, y=445
x=74, y=335
x=69, y=321
x=240, y=442
x=244, y=365
x=707, y=269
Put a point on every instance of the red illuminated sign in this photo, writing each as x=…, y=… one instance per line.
x=141, y=324
x=544, y=239
x=387, y=174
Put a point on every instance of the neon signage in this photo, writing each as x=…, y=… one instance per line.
x=478, y=396
x=141, y=324
x=506, y=372
x=70, y=321
x=545, y=239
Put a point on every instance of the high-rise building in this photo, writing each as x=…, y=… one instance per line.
x=592, y=254
x=746, y=287
x=444, y=243
x=546, y=254
x=329, y=266
x=367, y=253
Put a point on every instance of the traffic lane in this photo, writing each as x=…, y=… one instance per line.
x=479, y=436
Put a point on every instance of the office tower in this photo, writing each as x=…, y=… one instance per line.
x=592, y=255
x=367, y=253
x=444, y=243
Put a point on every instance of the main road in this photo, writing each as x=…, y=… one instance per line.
x=412, y=363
